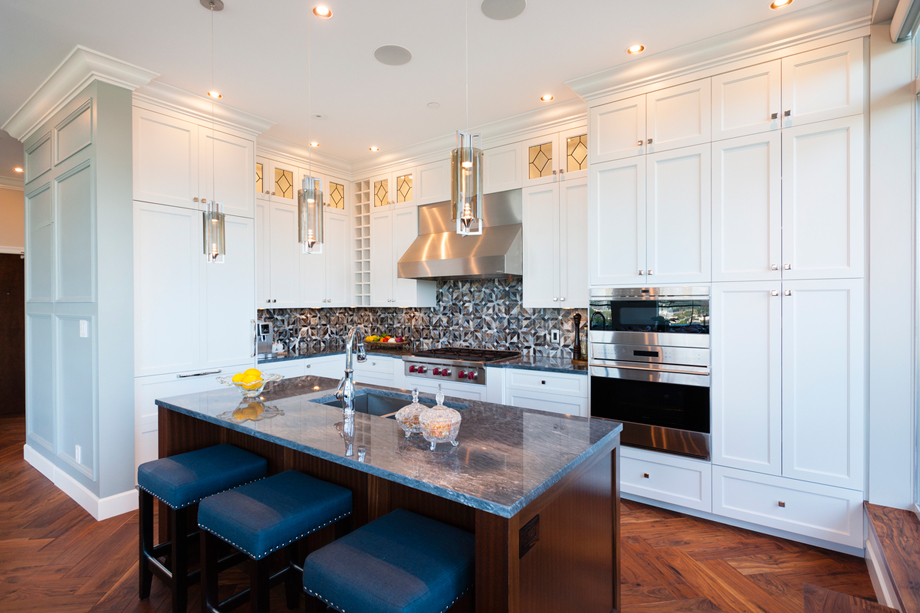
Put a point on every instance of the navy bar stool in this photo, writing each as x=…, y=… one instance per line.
x=180, y=481
x=261, y=518
x=400, y=563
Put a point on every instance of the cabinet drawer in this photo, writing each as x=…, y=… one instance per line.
x=375, y=366
x=289, y=370
x=820, y=511
x=554, y=403
x=547, y=382
x=667, y=478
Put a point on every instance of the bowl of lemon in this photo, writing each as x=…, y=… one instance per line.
x=250, y=382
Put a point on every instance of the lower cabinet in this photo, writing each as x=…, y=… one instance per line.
x=829, y=513
x=376, y=370
x=668, y=478
x=547, y=391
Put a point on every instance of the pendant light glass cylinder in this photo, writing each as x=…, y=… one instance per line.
x=215, y=233
x=310, y=216
x=466, y=184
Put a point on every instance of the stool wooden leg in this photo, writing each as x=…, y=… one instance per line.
x=293, y=580
x=259, y=586
x=145, y=521
x=179, y=524
x=210, y=545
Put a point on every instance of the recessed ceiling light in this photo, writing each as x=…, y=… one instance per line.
x=635, y=49
x=215, y=95
x=434, y=106
x=314, y=144
x=502, y=9
x=546, y=97
x=778, y=4
x=374, y=149
x=392, y=55
x=17, y=169
x=322, y=11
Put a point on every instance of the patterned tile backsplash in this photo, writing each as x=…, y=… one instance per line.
x=470, y=313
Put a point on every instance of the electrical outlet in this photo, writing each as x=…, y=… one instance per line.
x=554, y=337
x=77, y=453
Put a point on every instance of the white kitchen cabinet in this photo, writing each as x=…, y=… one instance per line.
x=277, y=181
x=395, y=188
x=392, y=231
x=682, y=481
x=617, y=222
x=555, y=157
x=747, y=208
x=547, y=391
x=679, y=116
x=824, y=381
x=747, y=101
x=226, y=172
x=409, y=292
x=829, y=513
x=824, y=200
x=555, y=220
x=617, y=130
x=827, y=83
x=324, y=276
x=433, y=182
x=747, y=377
x=502, y=168
x=679, y=216
x=284, y=251
x=383, y=276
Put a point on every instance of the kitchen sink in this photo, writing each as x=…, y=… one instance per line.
x=381, y=405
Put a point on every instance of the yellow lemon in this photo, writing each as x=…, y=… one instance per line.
x=253, y=372
x=251, y=382
x=238, y=377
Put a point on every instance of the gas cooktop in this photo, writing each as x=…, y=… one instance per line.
x=467, y=354
x=458, y=364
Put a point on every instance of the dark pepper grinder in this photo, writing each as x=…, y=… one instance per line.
x=576, y=351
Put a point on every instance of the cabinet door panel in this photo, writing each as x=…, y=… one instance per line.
x=433, y=182
x=679, y=211
x=284, y=256
x=263, y=254
x=824, y=200
x=313, y=276
x=747, y=376
x=617, y=222
x=381, y=227
x=226, y=171
x=744, y=101
x=679, y=116
x=336, y=251
x=823, y=84
x=165, y=160
x=823, y=381
x=747, y=208
x=409, y=292
x=502, y=167
x=541, y=244
x=573, y=248
x=283, y=182
x=228, y=299
x=617, y=130
x=167, y=268
x=541, y=160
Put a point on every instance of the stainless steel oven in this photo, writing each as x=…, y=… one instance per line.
x=650, y=365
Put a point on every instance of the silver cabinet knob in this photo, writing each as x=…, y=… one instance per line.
x=645, y=476
x=273, y=193
x=562, y=299
x=269, y=300
x=309, y=365
x=649, y=141
x=774, y=293
x=204, y=201
x=640, y=142
x=788, y=113
x=195, y=199
x=650, y=272
x=641, y=272
x=774, y=116
x=555, y=299
x=274, y=300
x=774, y=267
x=788, y=292
x=782, y=503
x=787, y=266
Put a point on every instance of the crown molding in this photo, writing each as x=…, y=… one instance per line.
x=883, y=11
x=12, y=183
x=200, y=108
x=814, y=23
x=80, y=68
x=275, y=148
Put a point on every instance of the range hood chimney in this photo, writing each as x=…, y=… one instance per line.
x=440, y=253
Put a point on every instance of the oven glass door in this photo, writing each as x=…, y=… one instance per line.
x=677, y=315
x=666, y=405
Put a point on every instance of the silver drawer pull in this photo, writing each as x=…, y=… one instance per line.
x=774, y=116
x=774, y=293
x=645, y=475
x=199, y=374
x=782, y=503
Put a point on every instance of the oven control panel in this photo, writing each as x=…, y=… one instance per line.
x=442, y=371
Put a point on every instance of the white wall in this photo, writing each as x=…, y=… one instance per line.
x=11, y=220
x=891, y=270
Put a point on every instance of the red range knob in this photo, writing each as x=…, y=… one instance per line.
x=472, y=376
x=413, y=369
x=445, y=372
x=437, y=371
x=462, y=374
x=423, y=369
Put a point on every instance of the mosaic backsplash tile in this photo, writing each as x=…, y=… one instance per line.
x=470, y=313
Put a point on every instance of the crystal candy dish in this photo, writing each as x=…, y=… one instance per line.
x=251, y=411
x=253, y=389
x=440, y=424
x=408, y=416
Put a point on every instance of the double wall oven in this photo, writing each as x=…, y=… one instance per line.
x=649, y=365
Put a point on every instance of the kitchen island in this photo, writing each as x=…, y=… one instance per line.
x=539, y=491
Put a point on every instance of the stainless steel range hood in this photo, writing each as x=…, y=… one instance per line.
x=440, y=253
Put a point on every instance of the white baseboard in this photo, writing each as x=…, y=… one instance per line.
x=99, y=508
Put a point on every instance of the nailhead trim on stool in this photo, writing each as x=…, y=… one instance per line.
x=280, y=545
x=188, y=504
x=315, y=595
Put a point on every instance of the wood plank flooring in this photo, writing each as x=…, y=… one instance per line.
x=54, y=556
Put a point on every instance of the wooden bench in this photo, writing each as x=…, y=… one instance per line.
x=893, y=556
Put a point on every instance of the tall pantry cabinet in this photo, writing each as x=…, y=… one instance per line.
x=193, y=320
x=785, y=145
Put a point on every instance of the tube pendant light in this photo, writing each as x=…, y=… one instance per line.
x=466, y=164
x=310, y=197
x=214, y=222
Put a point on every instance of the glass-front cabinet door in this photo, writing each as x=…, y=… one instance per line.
x=276, y=181
x=380, y=191
x=556, y=157
x=403, y=187
x=335, y=195
x=574, y=145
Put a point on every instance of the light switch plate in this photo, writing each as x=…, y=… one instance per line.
x=77, y=454
x=84, y=328
x=554, y=337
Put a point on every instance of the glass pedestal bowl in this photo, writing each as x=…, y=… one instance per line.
x=440, y=424
x=253, y=389
x=408, y=416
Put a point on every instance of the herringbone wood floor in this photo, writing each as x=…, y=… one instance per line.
x=54, y=556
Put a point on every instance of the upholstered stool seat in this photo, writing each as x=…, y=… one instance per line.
x=260, y=518
x=400, y=563
x=180, y=481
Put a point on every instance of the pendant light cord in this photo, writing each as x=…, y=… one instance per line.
x=466, y=36
x=309, y=102
x=213, y=161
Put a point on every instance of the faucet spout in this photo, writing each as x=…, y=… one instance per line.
x=346, y=389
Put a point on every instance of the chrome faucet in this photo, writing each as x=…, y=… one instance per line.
x=346, y=389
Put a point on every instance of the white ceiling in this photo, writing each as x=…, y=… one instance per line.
x=261, y=55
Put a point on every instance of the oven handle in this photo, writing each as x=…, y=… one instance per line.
x=657, y=375
x=652, y=370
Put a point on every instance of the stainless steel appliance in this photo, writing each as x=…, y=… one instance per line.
x=264, y=337
x=457, y=364
x=650, y=366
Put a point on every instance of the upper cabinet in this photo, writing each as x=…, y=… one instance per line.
x=747, y=101
x=823, y=84
x=502, y=168
x=277, y=182
x=392, y=230
x=679, y=116
x=324, y=276
x=432, y=182
x=555, y=157
x=395, y=188
x=617, y=130
x=179, y=163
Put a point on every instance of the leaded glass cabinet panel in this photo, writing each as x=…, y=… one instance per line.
x=382, y=192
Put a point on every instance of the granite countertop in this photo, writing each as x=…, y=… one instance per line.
x=506, y=457
x=560, y=365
